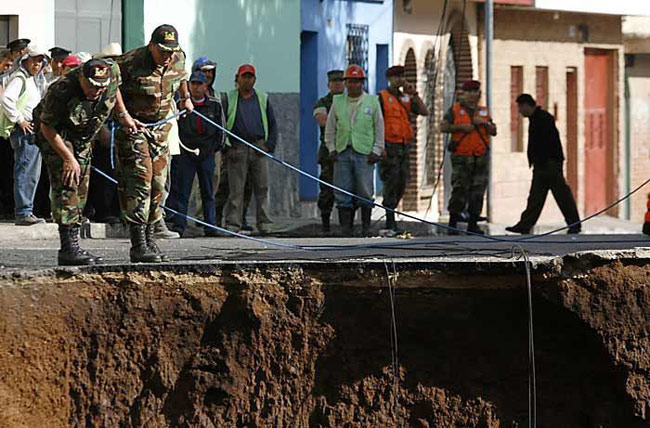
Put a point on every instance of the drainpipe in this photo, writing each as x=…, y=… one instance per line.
x=489, y=34
x=628, y=145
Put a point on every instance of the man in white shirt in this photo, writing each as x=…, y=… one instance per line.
x=22, y=94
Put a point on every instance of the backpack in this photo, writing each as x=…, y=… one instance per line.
x=6, y=125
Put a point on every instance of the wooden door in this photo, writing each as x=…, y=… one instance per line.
x=572, y=129
x=598, y=128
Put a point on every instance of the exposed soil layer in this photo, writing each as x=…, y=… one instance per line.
x=310, y=346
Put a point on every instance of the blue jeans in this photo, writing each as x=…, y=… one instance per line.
x=27, y=170
x=184, y=168
x=353, y=173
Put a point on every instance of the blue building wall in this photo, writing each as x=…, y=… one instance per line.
x=324, y=27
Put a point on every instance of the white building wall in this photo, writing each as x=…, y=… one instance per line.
x=35, y=20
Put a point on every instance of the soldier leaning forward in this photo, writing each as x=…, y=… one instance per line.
x=73, y=111
x=151, y=75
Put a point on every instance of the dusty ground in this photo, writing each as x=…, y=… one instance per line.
x=272, y=345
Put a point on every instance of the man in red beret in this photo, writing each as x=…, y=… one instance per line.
x=471, y=127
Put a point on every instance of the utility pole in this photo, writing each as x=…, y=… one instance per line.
x=489, y=34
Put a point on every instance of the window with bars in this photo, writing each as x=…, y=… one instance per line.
x=357, y=46
x=4, y=30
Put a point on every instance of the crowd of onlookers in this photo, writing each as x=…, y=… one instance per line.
x=196, y=146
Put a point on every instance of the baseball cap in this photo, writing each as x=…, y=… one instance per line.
x=204, y=63
x=246, y=68
x=98, y=72
x=166, y=37
x=35, y=51
x=71, y=61
x=198, y=76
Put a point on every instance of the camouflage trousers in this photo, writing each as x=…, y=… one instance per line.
x=469, y=180
x=68, y=202
x=394, y=172
x=326, y=194
x=143, y=161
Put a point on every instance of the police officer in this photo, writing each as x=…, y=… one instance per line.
x=151, y=75
x=398, y=107
x=58, y=55
x=471, y=126
x=336, y=86
x=73, y=111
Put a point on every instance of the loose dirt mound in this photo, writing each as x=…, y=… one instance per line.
x=287, y=347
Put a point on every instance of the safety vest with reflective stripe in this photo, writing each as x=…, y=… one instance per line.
x=233, y=98
x=397, y=126
x=362, y=132
x=476, y=142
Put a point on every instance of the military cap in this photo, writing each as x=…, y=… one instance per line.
x=471, y=85
x=334, y=75
x=18, y=44
x=59, y=53
x=98, y=72
x=396, y=70
x=166, y=37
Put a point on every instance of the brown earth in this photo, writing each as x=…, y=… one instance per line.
x=289, y=346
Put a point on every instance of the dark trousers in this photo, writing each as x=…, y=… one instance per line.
x=394, y=172
x=6, y=179
x=184, y=168
x=326, y=194
x=42, y=206
x=223, y=191
x=103, y=200
x=548, y=176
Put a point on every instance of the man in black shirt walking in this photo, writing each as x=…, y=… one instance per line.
x=546, y=158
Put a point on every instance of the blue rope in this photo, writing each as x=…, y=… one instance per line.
x=212, y=226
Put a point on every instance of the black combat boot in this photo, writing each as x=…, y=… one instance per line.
x=453, y=223
x=346, y=220
x=140, y=252
x=472, y=226
x=150, y=232
x=70, y=254
x=325, y=218
x=390, y=220
x=366, y=213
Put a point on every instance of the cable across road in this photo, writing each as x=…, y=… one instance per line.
x=360, y=198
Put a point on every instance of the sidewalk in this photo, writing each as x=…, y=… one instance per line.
x=309, y=227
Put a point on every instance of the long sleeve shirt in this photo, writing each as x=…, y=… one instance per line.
x=13, y=92
x=332, y=120
x=196, y=133
x=543, y=138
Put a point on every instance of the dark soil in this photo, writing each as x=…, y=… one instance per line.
x=289, y=346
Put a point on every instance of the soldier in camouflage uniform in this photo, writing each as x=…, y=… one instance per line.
x=335, y=83
x=151, y=75
x=73, y=111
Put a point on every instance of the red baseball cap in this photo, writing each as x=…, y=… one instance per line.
x=71, y=60
x=246, y=68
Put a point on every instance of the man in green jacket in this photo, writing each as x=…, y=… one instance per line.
x=354, y=135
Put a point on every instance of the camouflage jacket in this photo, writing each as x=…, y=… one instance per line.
x=66, y=109
x=148, y=89
x=324, y=102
